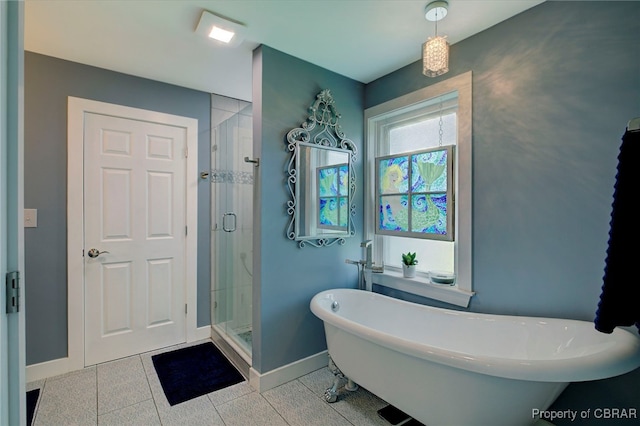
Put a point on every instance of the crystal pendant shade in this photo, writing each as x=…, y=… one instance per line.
x=435, y=56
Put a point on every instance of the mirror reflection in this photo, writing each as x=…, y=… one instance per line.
x=321, y=179
x=323, y=188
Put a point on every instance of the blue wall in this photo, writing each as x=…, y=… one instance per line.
x=553, y=89
x=48, y=83
x=285, y=330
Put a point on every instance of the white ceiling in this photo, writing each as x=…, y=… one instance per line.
x=156, y=39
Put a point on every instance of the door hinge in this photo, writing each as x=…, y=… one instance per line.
x=185, y=309
x=186, y=152
x=13, y=292
x=186, y=230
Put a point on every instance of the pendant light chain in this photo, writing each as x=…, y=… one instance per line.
x=440, y=131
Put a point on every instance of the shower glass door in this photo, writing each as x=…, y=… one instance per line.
x=232, y=222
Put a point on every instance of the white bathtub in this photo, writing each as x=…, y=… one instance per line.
x=446, y=367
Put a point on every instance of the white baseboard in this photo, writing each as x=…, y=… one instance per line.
x=59, y=366
x=286, y=373
x=48, y=369
x=201, y=333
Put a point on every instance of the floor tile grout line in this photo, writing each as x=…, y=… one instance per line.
x=126, y=406
x=217, y=412
x=46, y=383
x=324, y=401
x=275, y=409
x=146, y=376
x=312, y=391
x=98, y=414
x=316, y=396
x=153, y=398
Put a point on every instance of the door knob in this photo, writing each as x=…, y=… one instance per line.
x=95, y=252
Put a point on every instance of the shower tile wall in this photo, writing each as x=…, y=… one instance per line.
x=232, y=195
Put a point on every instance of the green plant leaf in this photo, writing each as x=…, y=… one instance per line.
x=409, y=258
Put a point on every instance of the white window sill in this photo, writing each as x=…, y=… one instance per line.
x=422, y=286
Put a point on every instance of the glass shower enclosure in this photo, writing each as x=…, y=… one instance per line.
x=232, y=186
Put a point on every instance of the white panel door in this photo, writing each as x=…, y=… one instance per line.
x=135, y=226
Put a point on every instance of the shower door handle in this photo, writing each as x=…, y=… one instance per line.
x=225, y=228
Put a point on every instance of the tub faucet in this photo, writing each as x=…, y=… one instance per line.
x=368, y=245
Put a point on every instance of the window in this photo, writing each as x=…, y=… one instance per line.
x=418, y=187
x=414, y=194
x=333, y=196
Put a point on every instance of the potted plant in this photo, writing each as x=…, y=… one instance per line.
x=409, y=262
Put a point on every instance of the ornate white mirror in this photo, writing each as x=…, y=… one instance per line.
x=321, y=179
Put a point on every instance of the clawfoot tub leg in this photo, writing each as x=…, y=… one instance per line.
x=351, y=386
x=331, y=394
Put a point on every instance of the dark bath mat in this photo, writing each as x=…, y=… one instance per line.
x=393, y=415
x=194, y=371
x=32, y=402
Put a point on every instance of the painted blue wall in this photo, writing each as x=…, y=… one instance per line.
x=553, y=89
x=286, y=330
x=48, y=83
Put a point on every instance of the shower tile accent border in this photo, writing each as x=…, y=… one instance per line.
x=230, y=176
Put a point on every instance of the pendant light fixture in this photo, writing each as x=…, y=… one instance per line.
x=435, y=51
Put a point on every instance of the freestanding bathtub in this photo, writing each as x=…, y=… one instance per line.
x=445, y=367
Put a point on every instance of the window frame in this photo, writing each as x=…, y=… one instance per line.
x=377, y=118
x=450, y=212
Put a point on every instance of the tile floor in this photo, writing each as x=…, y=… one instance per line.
x=128, y=392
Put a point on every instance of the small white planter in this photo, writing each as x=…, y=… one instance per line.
x=409, y=271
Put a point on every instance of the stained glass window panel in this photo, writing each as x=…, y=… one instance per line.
x=429, y=213
x=394, y=213
x=327, y=181
x=343, y=177
x=344, y=211
x=418, y=209
x=429, y=171
x=329, y=211
x=394, y=175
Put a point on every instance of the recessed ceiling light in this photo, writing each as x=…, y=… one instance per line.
x=221, y=34
x=224, y=30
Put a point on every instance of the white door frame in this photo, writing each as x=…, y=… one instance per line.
x=77, y=107
x=12, y=326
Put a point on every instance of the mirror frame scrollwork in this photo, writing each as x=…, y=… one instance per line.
x=320, y=128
